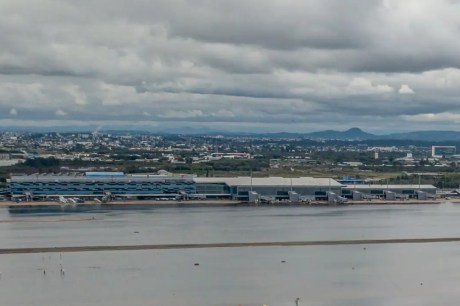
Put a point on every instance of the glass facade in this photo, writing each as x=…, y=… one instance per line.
x=212, y=188
x=94, y=186
x=225, y=190
x=399, y=190
x=277, y=190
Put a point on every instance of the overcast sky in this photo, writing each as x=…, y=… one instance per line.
x=275, y=65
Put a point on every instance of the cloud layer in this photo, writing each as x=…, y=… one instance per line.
x=273, y=64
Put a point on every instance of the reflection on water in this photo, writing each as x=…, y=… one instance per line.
x=416, y=274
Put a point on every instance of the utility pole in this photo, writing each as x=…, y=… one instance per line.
x=251, y=176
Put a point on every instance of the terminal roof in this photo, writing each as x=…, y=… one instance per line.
x=269, y=181
x=384, y=186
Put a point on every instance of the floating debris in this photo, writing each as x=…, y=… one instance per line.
x=197, y=264
x=283, y=261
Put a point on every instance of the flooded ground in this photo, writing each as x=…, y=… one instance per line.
x=393, y=274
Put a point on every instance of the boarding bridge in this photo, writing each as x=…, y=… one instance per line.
x=333, y=198
x=421, y=195
x=390, y=195
x=294, y=196
x=357, y=196
x=253, y=197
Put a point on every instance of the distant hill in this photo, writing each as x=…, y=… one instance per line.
x=351, y=134
x=358, y=134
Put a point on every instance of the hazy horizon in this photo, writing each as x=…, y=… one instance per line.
x=188, y=130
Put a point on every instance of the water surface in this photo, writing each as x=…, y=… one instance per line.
x=416, y=274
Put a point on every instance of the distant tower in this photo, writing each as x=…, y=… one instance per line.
x=376, y=154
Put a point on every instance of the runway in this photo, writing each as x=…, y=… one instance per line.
x=97, y=248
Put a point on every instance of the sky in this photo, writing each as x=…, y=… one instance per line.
x=241, y=65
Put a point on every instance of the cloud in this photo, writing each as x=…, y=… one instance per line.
x=182, y=114
x=303, y=64
x=434, y=117
x=405, y=90
x=60, y=112
x=223, y=113
x=365, y=86
x=78, y=96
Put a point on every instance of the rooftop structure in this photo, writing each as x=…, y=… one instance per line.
x=269, y=181
x=348, y=180
x=392, y=186
x=443, y=151
x=104, y=174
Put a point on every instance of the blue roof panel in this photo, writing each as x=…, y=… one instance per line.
x=104, y=174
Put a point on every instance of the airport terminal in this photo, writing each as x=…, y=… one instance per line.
x=117, y=185
x=98, y=184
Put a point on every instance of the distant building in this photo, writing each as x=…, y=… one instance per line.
x=350, y=180
x=9, y=162
x=443, y=151
x=376, y=155
x=5, y=156
x=408, y=160
x=217, y=156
